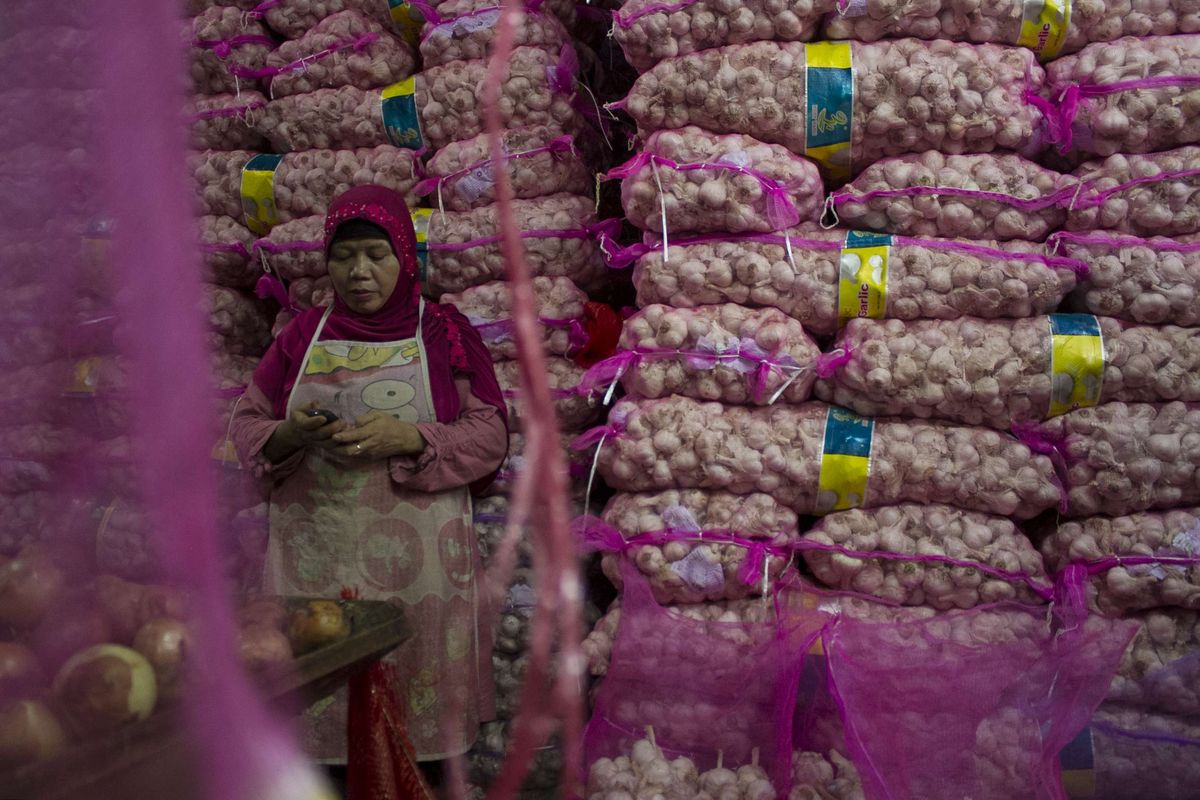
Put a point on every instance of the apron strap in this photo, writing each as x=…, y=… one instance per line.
x=304, y=361
x=320, y=328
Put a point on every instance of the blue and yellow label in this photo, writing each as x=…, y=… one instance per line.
x=845, y=461
x=258, y=193
x=1076, y=362
x=407, y=20
x=1078, y=763
x=829, y=73
x=863, y=275
x=401, y=121
x=420, y=220
x=1044, y=25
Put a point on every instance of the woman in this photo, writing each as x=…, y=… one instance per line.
x=370, y=419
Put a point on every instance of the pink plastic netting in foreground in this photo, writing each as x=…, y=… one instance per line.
x=119, y=506
x=973, y=703
x=117, y=529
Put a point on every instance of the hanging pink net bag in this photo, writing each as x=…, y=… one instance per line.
x=691, y=706
x=971, y=704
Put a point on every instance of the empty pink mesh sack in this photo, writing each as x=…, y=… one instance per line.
x=714, y=693
x=970, y=703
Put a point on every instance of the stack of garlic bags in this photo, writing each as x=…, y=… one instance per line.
x=924, y=126
x=228, y=52
x=224, y=48
x=41, y=362
x=279, y=185
x=708, y=553
x=1120, y=387
x=723, y=190
x=348, y=81
x=1130, y=469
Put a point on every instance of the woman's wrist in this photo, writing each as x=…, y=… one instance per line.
x=418, y=443
x=283, y=442
x=412, y=444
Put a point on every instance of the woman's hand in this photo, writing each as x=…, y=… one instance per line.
x=377, y=436
x=301, y=430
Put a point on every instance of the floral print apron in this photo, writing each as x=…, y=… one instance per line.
x=340, y=525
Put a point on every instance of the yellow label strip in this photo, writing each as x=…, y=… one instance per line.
x=1076, y=362
x=863, y=276
x=845, y=461
x=1044, y=27
x=258, y=193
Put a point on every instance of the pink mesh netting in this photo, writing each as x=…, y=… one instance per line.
x=125, y=523
x=710, y=690
x=971, y=703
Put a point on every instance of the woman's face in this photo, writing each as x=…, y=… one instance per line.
x=364, y=272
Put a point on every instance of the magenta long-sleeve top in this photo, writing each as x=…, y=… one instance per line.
x=456, y=453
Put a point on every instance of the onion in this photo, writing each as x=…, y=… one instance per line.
x=267, y=613
x=120, y=600
x=164, y=643
x=20, y=671
x=160, y=601
x=29, y=585
x=66, y=630
x=129, y=606
x=106, y=687
x=29, y=732
x=263, y=648
x=319, y=623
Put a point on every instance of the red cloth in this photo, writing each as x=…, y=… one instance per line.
x=382, y=764
x=452, y=345
x=603, y=328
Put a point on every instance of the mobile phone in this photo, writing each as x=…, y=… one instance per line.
x=329, y=416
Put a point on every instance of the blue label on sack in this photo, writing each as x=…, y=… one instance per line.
x=1078, y=763
x=830, y=89
x=1074, y=325
x=845, y=461
x=848, y=434
x=860, y=239
x=401, y=121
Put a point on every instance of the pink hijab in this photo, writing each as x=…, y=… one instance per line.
x=453, y=347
